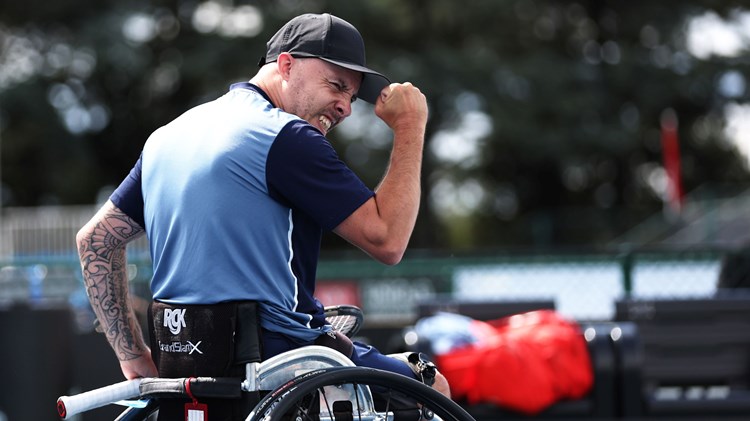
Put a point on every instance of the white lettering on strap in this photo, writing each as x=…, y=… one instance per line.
x=174, y=319
x=194, y=347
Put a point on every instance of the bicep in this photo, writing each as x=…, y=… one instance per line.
x=353, y=228
x=109, y=229
x=365, y=229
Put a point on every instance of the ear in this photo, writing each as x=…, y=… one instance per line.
x=284, y=65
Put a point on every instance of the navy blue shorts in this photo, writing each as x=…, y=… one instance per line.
x=363, y=355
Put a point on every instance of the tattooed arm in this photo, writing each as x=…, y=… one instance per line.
x=101, y=248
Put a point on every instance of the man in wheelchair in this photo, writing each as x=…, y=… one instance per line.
x=234, y=196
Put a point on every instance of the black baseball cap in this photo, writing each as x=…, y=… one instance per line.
x=328, y=38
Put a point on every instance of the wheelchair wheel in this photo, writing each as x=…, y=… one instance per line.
x=358, y=394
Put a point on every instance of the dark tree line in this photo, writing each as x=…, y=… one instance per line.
x=544, y=115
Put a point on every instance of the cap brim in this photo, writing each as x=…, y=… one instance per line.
x=372, y=81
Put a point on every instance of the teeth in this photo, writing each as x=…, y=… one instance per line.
x=325, y=122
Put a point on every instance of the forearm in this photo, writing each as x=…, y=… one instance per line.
x=382, y=226
x=101, y=248
x=398, y=195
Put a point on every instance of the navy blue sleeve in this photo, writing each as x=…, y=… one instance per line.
x=128, y=196
x=303, y=171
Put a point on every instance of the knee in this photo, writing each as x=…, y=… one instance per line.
x=441, y=384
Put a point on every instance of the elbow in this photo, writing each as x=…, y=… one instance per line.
x=378, y=242
x=85, y=239
x=392, y=260
x=390, y=255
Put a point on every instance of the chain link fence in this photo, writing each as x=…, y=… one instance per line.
x=38, y=263
x=582, y=287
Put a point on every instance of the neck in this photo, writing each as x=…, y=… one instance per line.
x=270, y=82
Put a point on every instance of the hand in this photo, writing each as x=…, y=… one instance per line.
x=402, y=106
x=142, y=366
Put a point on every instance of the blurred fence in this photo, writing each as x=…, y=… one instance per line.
x=48, y=231
x=584, y=287
x=38, y=263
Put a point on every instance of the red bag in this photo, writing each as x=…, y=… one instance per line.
x=524, y=362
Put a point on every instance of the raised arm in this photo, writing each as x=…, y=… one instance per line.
x=383, y=225
x=101, y=248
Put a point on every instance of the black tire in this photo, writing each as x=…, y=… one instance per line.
x=140, y=414
x=293, y=395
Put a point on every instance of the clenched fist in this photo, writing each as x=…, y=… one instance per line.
x=402, y=106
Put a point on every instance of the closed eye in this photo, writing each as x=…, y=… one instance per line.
x=343, y=88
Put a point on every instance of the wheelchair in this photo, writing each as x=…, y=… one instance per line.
x=309, y=383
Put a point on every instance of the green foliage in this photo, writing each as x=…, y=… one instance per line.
x=556, y=103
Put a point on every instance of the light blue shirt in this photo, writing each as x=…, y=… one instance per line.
x=235, y=195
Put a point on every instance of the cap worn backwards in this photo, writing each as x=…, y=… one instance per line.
x=328, y=38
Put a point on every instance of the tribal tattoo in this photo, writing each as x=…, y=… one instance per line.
x=101, y=247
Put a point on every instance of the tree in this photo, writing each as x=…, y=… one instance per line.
x=544, y=124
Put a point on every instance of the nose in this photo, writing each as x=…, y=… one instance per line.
x=344, y=108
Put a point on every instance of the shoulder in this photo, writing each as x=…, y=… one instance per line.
x=301, y=145
x=302, y=133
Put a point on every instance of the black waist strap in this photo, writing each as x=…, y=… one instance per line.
x=204, y=340
x=247, y=338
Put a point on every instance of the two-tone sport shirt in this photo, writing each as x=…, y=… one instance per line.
x=234, y=195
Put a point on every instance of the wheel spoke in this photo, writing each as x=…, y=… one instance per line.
x=331, y=391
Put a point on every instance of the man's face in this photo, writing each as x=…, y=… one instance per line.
x=320, y=92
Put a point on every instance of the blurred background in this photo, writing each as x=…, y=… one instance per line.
x=580, y=153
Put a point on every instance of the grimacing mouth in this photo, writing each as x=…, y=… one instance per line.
x=325, y=122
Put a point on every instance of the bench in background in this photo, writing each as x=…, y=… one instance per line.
x=693, y=359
